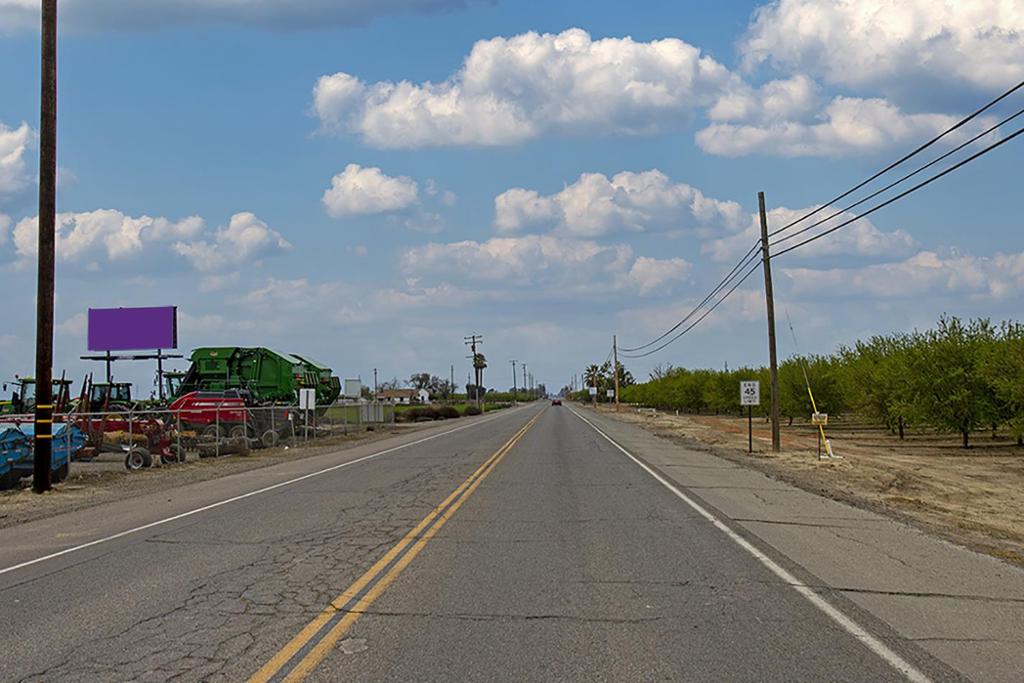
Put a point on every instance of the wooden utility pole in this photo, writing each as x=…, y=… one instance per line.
x=43, y=455
x=615, y=370
x=524, y=381
x=514, y=391
x=769, y=298
x=478, y=371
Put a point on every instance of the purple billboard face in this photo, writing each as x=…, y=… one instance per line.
x=133, y=329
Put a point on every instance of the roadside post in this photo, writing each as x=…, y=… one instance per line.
x=307, y=402
x=820, y=420
x=750, y=396
x=593, y=395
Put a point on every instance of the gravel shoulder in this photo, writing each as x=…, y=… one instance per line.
x=974, y=498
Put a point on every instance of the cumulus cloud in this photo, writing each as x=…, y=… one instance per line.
x=848, y=125
x=514, y=89
x=358, y=190
x=860, y=238
x=245, y=239
x=596, y=205
x=14, y=142
x=290, y=14
x=927, y=272
x=547, y=262
x=892, y=43
x=103, y=234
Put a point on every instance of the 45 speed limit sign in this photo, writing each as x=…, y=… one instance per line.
x=750, y=393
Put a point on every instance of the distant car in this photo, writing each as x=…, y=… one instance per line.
x=556, y=401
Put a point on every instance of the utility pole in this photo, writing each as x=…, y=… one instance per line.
x=514, y=391
x=478, y=372
x=769, y=298
x=615, y=370
x=43, y=455
x=375, y=390
x=524, y=381
x=452, y=388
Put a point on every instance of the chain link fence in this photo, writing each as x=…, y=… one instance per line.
x=146, y=437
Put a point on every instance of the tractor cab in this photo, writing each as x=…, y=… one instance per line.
x=23, y=395
x=110, y=396
x=173, y=380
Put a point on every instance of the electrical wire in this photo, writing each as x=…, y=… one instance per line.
x=701, y=318
x=903, y=194
x=740, y=265
x=750, y=256
x=962, y=122
x=906, y=177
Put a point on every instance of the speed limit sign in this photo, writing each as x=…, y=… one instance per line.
x=750, y=393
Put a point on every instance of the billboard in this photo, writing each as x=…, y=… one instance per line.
x=133, y=329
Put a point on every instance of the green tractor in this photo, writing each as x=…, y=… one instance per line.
x=267, y=376
x=23, y=395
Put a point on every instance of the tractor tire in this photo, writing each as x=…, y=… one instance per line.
x=239, y=432
x=174, y=455
x=60, y=474
x=138, y=458
x=9, y=481
x=211, y=433
x=270, y=439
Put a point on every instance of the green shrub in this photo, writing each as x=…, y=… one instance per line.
x=471, y=410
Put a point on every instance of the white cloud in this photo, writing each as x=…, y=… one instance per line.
x=75, y=326
x=360, y=190
x=14, y=142
x=514, y=89
x=596, y=205
x=860, y=238
x=5, y=226
x=925, y=273
x=103, y=234
x=143, y=14
x=546, y=262
x=245, y=239
x=900, y=44
x=848, y=125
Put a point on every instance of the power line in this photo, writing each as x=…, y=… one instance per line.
x=906, y=177
x=701, y=318
x=901, y=195
x=751, y=254
x=742, y=263
x=892, y=200
x=907, y=156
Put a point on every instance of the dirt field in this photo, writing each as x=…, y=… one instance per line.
x=106, y=479
x=973, y=497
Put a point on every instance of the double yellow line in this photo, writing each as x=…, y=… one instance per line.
x=314, y=642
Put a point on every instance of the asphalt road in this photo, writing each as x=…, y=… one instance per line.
x=522, y=546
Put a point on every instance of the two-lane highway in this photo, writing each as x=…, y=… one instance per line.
x=524, y=546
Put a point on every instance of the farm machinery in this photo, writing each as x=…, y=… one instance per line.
x=264, y=375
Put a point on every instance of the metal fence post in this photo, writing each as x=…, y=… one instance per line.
x=181, y=453
x=216, y=418
x=131, y=439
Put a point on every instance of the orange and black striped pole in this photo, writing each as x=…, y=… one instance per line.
x=47, y=223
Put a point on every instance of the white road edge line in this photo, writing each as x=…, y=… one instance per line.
x=235, y=499
x=849, y=625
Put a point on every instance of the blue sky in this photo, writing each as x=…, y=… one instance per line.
x=544, y=174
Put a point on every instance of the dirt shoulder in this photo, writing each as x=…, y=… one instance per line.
x=972, y=497
x=101, y=482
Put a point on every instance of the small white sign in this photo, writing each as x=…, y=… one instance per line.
x=593, y=391
x=307, y=399
x=611, y=393
x=750, y=393
x=353, y=388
